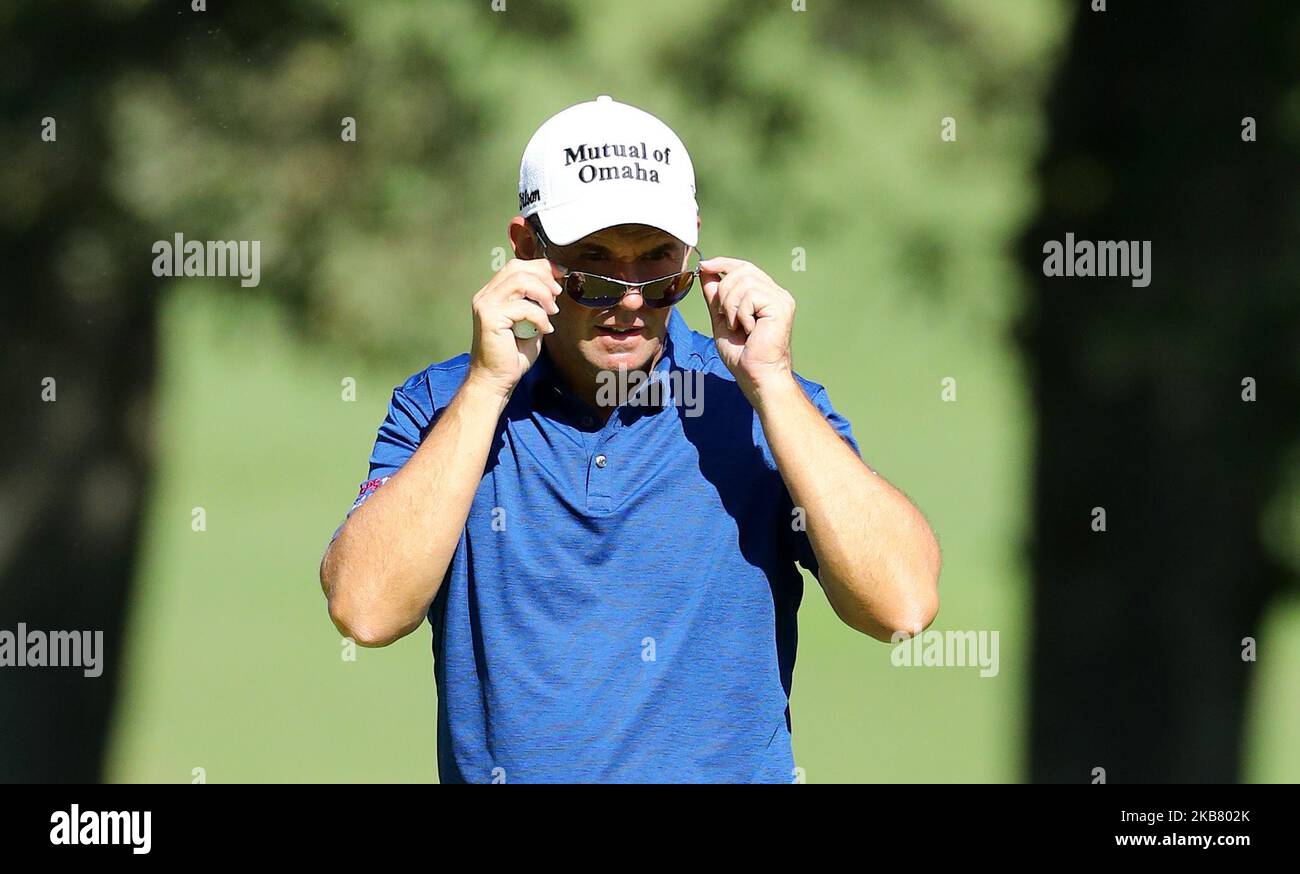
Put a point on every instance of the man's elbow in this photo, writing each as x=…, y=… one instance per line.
x=911, y=609
x=922, y=602
x=918, y=604
x=912, y=617
x=357, y=617
x=365, y=627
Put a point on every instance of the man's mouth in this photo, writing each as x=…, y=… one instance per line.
x=619, y=333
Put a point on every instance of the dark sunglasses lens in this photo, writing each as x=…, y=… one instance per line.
x=592, y=291
x=596, y=292
x=668, y=291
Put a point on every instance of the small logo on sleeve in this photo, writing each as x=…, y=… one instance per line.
x=368, y=488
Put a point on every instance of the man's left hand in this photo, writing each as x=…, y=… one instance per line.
x=752, y=317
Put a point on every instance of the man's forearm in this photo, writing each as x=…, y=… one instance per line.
x=878, y=559
x=385, y=567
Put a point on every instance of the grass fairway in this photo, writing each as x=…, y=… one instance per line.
x=234, y=667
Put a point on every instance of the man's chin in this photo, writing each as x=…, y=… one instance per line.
x=610, y=353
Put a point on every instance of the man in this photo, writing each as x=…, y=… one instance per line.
x=612, y=584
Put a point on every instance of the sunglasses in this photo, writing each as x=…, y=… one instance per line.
x=596, y=291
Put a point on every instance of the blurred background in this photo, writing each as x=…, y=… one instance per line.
x=817, y=142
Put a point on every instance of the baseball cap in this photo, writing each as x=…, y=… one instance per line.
x=604, y=163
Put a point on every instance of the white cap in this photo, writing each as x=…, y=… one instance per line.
x=604, y=163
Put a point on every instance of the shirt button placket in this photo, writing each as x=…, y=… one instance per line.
x=598, y=489
x=601, y=472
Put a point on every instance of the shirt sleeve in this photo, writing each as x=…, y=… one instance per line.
x=403, y=429
x=800, y=544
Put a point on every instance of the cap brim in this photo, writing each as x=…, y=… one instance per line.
x=570, y=222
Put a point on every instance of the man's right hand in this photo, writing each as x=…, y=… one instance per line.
x=385, y=567
x=520, y=291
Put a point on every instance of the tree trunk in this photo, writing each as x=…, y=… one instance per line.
x=1138, y=666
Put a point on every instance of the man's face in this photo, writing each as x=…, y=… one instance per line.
x=628, y=334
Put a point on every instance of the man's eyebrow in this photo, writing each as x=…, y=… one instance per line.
x=587, y=248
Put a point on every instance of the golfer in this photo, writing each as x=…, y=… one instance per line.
x=600, y=510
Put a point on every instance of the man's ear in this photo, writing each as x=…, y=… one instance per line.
x=522, y=239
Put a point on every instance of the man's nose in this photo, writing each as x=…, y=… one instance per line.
x=632, y=300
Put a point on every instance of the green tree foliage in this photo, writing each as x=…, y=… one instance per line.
x=819, y=129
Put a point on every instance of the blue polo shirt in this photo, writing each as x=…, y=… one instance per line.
x=622, y=604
